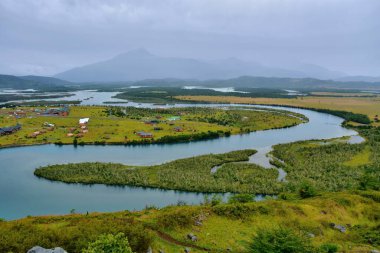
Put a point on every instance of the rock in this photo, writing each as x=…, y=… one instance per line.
x=192, y=237
x=374, y=251
x=38, y=249
x=198, y=223
x=311, y=235
x=149, y=250
x=341, y=228
x=187, y=250
x=229, y=249
x=161, y=251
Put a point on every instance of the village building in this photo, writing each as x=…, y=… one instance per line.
x=61, y=111
x=83, y=121
x=143, y=134
x=178, y=129
x=10, y=130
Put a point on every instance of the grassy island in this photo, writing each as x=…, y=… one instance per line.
x=129, y=125
x=331, y=165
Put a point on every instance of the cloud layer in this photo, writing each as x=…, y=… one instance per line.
x=49, y=36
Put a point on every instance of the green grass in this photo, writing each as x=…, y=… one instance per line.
x=329, y=166
x=361, y=158
x=190, y=174
x=106, y=126
x=242, y=221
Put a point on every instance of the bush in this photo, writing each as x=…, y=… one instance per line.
x=280, y=240
x=328, y=248
x=307, y=190
x=109, y=244
x=241, y=198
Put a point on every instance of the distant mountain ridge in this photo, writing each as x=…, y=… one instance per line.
x=140, y=64
x=31, y=82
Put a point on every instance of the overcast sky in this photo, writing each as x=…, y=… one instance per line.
x=48, y=36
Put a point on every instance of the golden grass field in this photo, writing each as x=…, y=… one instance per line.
x=367, y=105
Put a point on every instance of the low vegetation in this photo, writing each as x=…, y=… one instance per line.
x=369, y=106
x=283, y=226
x=116, y=125
x=332, y=165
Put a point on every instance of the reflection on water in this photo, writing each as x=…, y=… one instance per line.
x=21, y=193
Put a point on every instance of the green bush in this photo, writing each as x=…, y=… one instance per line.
x=307, y=190
x=328, y=248
x=241, y=198
x=280, y=240
x=109, y=244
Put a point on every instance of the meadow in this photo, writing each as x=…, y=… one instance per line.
x=113, y=125
x=167, y=229
x=369, y=106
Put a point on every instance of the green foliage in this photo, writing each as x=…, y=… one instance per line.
x=73, y=233
x=307, y=190
x=239, y=210
x=241, y=198
x=328, y=248
x=182, y=217
x=109, y=244
x=280, y=240
x=192, y=174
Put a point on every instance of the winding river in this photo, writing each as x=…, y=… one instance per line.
x=22, y=194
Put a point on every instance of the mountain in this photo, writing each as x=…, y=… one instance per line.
x=32, y=82
x=46, y=80
x=370, y=79
x=262, y=82
x=140, y=64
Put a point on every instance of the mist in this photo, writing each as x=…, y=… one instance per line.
x=45, y=37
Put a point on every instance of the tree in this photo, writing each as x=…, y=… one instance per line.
x=109, y=244
x=280, y=240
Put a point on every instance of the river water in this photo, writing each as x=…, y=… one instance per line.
x=22, y=194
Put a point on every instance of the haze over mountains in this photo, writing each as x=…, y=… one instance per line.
x=140, y=64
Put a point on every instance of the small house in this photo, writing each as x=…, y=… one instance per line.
x=84, y=121
x=143, y=134
x=178, y=129
x=174, y=118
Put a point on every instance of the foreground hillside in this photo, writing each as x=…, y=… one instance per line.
x=347, y=221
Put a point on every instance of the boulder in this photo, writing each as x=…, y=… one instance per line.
x=341, y=228
x=192, y=237
x=187, y=250
x=149, y=250
x=38, y=249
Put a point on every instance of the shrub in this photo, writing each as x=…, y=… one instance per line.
x=328, y=248
x=241, y=198
x=109, y=244
x=280, y=240
x=307, y=190
x=183, y=217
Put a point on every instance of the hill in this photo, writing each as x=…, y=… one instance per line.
x=140, y=64
x=32, y=82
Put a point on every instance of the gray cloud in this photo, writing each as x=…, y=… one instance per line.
x=48, y=36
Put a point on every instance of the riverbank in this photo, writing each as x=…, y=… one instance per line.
x=328, y=219
x=357, y=105
x=326, y=164
x=129, y=125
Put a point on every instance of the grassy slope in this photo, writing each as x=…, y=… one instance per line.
x=368, y=106
x=313, y=215
x=112, y=129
